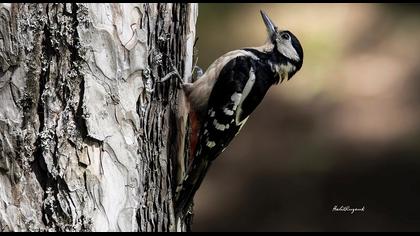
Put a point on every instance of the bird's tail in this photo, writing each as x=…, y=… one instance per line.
x=190, y=185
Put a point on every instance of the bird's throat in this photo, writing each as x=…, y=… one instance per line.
x=282, y=70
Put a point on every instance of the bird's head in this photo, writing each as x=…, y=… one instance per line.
x=286, y=46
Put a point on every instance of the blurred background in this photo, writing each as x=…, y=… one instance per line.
x=345, y=131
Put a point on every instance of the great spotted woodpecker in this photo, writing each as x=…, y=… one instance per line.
x=228, y=92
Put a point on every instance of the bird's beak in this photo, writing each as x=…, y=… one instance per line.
x=271, y=28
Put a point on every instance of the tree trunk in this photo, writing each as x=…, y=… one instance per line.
x=89, y=140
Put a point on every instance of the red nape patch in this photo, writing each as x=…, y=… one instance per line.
x=195, y=129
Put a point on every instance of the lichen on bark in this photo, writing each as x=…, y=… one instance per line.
x=90, y=140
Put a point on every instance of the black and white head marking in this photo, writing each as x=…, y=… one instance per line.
x=287, y=45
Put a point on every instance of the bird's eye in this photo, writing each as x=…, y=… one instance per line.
x=285, y=36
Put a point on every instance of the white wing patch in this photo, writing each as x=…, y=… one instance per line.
x=219, y=126
x=247, y=89
x=236, y=99
x=214, y=69
x=228, y=112
x=210, y=144
x=242, y=125
x=212, y=113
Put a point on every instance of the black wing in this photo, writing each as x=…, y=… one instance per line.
x=220, y=126
x=225, y=117
x=218, y=129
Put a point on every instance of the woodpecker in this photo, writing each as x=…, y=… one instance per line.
x=228, y=92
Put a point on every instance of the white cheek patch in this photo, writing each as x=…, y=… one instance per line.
x=286, y=48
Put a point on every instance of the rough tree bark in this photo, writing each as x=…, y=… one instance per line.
x=89, y=140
